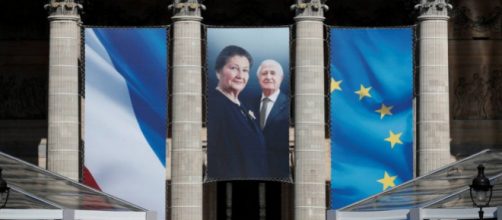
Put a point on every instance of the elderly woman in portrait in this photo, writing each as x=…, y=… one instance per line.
x=236, y=146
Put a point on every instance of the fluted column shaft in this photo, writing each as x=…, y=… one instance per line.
x=433, y=98
x=310, y=154
x=186, y=171
x=63, y=96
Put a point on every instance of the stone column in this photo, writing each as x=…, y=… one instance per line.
x=310, y=154
x=433, y=100
x=186, y=167
x=63, y=120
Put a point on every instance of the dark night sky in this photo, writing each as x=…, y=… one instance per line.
x=28, y=20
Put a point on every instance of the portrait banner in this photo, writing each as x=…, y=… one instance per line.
x=371, y=110
x=126, y=114
x=248, y=104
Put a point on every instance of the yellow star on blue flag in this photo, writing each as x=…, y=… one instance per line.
x=335, y=85
x=371, y=127
x=387, y=181
x=394, y=139
x=384, y=110
x=363, y=92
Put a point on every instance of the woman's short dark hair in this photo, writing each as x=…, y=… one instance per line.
x=229, y=52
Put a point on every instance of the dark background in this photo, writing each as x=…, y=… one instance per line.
x=475, y=33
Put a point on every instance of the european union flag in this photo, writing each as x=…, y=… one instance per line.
x=371, y=111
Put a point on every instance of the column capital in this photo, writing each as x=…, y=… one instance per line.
x=309, y=10
x=64, y=9
x=433, y=9
x=186, y=10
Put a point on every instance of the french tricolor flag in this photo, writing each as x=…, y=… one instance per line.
x=126, y=114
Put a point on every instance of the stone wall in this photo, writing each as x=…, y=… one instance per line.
x=23, y=96
x=475, y=57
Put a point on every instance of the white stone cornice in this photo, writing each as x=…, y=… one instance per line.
x=301, y=18
x=189, y=10
x=61, y=17
x=309, y=10
x=432, y=17
x=186, y=18
x=68, y=9
x=433, y=9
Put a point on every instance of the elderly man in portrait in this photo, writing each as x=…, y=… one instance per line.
x=273, y=108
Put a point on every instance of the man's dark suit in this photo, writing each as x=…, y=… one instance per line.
x=276, y=132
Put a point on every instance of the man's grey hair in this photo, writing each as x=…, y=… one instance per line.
x=270, y=62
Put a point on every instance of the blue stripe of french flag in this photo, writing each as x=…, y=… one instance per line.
x=125, y=114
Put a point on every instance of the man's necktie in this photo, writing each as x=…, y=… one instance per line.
x=263, y=111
